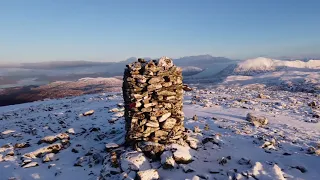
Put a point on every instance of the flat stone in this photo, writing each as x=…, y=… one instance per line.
x=169, y=123
x=164, y=117
x=88, y=113
x=161, y=133
x=54, y=148
x=31, y=164
x=152, y=124
x=111, y=146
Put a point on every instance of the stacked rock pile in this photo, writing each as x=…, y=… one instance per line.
x=153, y=96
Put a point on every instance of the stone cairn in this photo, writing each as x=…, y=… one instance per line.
x=153, y=96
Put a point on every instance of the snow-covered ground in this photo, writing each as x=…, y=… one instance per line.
x=229, y=146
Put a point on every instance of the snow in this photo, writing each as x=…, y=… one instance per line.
x=222, y=109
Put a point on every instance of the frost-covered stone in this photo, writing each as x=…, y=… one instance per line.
x=150, y=174
x=134, y=161
x=267, y=172
x=167, y=160
x=181, y=154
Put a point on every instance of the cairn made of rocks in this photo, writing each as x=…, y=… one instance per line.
x=153, y=96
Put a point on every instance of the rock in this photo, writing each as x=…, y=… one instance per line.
x=193, y=143
x=165, y=62
x=151, y=149
x=150, y=174
x=74, y=150
x=81, y=161
x=317, y=152
x=186, y=88
x=53, y=148
x=195, y=118
x=71, y=131
x=244, y=161
x=195, y=178
x=262, y=96
x=301, y=168
x=213, y=140
x=164, y=117
x=197, y=129
x=311, y=150
x=48, y=157
x=169, y=123
x=260, y=171
x=31, y=164
x=257, y=120
x=224, y=160
x=52, y=139
x=21, y=145
x=152, y=124
x=134, y=161
x=88, y=113
x=181, y=154
x=167, y=160
x=186, y=168
x=110, y=146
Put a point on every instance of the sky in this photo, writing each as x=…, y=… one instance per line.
x=114, y=30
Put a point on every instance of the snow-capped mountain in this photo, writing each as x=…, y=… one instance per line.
x=261, y=64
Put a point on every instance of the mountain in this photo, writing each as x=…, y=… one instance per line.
x=261, y=64
x=201, y=61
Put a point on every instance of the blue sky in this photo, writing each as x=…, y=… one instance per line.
x=113, y=30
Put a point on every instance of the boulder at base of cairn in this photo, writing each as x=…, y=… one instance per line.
x=181, y=154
